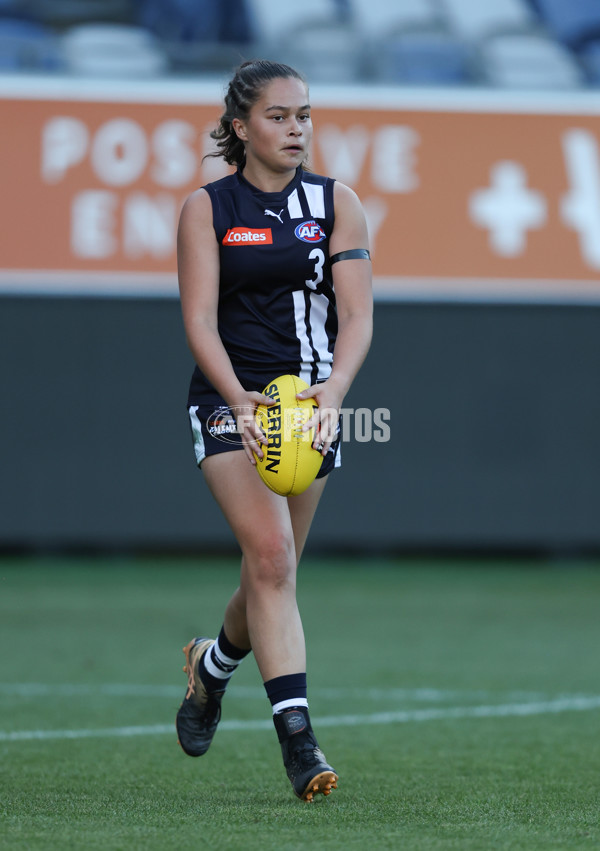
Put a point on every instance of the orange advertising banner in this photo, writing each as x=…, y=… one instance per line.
x=467, y=194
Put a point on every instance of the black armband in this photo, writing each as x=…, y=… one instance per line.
x=352, y=254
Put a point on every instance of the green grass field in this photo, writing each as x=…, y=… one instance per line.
x=459, y=702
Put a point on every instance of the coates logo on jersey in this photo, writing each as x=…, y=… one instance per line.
x=310, y=232
x=248, y=236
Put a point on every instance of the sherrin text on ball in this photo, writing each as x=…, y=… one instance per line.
x=289, y=463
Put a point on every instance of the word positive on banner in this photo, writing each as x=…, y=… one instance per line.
x=140, y=178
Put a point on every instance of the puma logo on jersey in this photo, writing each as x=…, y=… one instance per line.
x=310, y=231
x=275, y=215
x=248, y=236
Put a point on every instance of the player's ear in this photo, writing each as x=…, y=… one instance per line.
x=239, y=129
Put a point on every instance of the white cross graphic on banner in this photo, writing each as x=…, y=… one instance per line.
x=508, y=209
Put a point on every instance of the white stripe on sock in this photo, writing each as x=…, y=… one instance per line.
x=285, y=704
x=212, y=669
x=215, y=655
x=221, y=657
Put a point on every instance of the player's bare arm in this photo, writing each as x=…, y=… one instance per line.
x=198, y=269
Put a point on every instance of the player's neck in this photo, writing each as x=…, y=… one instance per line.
x=265, y=179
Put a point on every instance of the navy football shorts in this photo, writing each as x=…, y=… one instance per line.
x=217, y=432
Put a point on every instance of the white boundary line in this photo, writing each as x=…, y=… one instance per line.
x=503, y=710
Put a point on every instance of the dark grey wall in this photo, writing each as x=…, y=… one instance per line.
x=495, y=425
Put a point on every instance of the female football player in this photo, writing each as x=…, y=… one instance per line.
x=275, y=278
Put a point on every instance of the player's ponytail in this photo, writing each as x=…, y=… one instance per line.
x=245, y=88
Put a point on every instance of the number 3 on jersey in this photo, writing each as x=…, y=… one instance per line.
x=319, y=257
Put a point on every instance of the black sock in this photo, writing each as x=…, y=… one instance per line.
x=287, y=691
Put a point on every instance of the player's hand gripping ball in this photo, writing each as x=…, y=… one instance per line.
x=289, y=463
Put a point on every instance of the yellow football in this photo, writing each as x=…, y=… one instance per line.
x=289, y=463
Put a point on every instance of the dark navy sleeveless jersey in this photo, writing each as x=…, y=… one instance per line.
x=276, y=310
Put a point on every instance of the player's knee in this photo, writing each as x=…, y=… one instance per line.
x=274, y=563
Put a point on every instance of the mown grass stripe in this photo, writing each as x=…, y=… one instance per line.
x=423, y=694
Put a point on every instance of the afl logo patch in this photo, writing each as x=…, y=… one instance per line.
x=310, y=232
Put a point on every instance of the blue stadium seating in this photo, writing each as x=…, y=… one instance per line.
x=14, y=8
x=423, y=58
x=327, y=52
x=590, y=60
x=200, y=36
x=276, y=21
x=192, y=21
x=405, y=42
x=113, y=50
x=65, y=13
x=571, y=21
x=475, y=19
x=27, y=46
x=377, y=19
x=528, y=61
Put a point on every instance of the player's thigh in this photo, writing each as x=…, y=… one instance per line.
x=259, y=518
x=302, y=511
